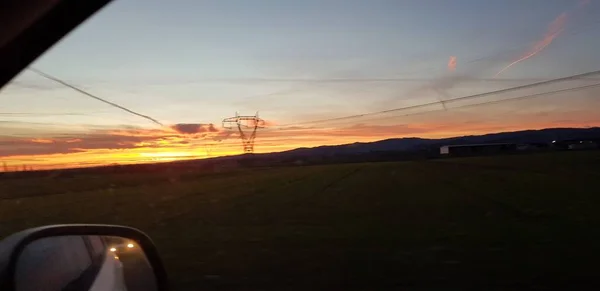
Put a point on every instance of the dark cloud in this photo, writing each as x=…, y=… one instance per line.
x=121, y=138
x=194, y=128
x=66, y=145
x=115, y=139
x=223, y=135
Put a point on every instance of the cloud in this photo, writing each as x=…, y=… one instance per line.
x=42, y=140
x=111, y=139
x=184, y=135
x=194, y=128
x=223, y=135
x=64, y=145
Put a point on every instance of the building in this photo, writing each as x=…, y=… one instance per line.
x=576, y=144
x=477, y=149
x=583, y=145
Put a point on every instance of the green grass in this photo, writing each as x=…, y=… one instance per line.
x=497, y=223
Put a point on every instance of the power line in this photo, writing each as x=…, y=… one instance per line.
x=569, y=78
x=491, y=102
x=47, y=76
x=272, y=141
x=529, y=96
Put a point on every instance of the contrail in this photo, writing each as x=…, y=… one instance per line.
x=541, y=45
x=93, y=96
x=556, y=27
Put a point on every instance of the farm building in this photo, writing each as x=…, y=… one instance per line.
x=583, y=145
x=478, y=149
x=536, y=146
x=576, y=144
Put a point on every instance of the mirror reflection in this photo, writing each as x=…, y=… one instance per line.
x=83, y=263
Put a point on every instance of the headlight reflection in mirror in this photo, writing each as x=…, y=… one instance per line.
x=77, y=262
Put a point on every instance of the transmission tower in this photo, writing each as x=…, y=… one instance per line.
x=249, y=123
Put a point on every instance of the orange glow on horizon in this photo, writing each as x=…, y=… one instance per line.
x=42, y=140
x=167, y=154
x=266, y=143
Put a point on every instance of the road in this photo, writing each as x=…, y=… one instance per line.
x=137, y=271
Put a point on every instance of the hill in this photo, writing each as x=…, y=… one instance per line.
x=411, y=148
x=414, y=143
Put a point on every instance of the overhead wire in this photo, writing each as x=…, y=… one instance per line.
x=326, y=131
x=50, y=77
x=272, y=140
x=463, y=98
x=530, y=96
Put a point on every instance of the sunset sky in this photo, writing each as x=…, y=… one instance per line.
x=191, y=63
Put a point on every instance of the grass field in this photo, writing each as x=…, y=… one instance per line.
x=523, y=222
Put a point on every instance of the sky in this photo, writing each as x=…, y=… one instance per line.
x=191, y=63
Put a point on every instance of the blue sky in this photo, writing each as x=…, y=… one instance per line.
x=179, y=45
x=199, y=61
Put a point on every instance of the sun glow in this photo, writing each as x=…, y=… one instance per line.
x=167, y=155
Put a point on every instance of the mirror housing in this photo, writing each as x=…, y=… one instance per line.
x=12, y=247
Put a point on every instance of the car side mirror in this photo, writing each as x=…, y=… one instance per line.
x=80, y=257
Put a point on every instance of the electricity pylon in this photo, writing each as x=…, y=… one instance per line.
x=252, y=123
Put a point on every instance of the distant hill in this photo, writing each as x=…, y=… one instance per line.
x=416, y=144
x=396, y=144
